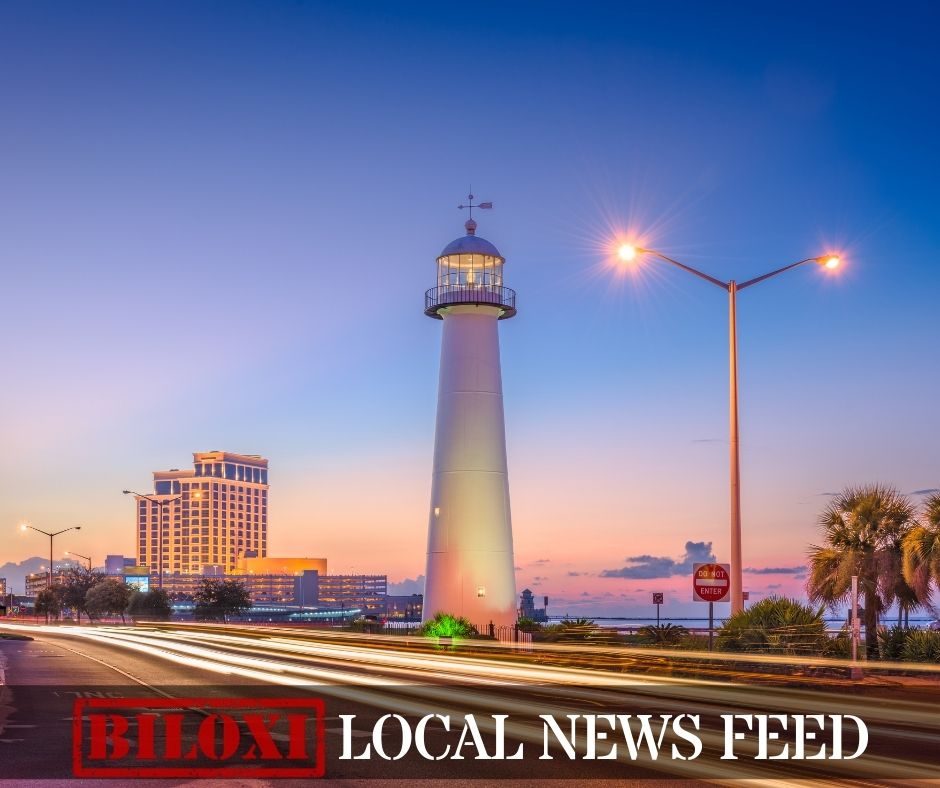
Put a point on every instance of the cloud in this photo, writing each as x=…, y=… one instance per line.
x=578, y=574
x=775, y=570
x=708, y=440
x=647, y=567
x=407, y=586
x=928, y=491
x=542, y=561
x=773, y=586
x=828, y=494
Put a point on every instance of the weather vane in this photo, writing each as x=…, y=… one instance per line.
x=470, y=206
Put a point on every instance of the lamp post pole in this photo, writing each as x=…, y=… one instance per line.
x=627, y=253
x=737, y=578
x=162, y=503
x=86, y=557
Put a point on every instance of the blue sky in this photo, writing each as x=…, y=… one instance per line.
x=217, y=221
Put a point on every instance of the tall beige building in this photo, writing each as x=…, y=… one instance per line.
x=210, y=515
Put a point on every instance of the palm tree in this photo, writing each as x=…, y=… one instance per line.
x=921, y=550
x=864, y=528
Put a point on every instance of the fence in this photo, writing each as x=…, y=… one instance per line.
x=507, y=634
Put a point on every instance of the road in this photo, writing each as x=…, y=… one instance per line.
x=370, y=677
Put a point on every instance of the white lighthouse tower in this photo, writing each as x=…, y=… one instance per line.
x=470, y=568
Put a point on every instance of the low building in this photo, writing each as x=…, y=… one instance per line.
x=404, y=607
x=116, y=564
x=251, y=564
x=367, y=592
x=37, y=581
x=307, y=589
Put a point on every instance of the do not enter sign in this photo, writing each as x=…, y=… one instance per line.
x=710, y=582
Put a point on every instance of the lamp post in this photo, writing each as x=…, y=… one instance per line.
x=26, y=526
x=162, y=503
x=79, y=555
x=629, y=252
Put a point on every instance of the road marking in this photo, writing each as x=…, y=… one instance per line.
x=116, y=669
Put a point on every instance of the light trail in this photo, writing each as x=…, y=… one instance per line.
x=409, y=681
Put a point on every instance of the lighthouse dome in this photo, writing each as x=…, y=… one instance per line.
x=471, y=243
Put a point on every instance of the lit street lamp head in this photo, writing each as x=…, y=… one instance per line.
x=628, y=252
x=829, y=261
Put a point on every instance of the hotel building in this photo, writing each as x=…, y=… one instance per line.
x=209, y=516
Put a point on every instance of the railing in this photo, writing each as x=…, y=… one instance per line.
x=450, y=295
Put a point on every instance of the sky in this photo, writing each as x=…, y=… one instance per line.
x=218, y=220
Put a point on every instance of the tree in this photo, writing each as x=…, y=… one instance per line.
x=107, y=598
x=48, y=604
x=863, y=528
x=154, y=605
x=775, y=625
x=76, y=583
x=216, y=599
x=921, y=550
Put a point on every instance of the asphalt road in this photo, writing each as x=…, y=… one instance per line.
x=371, y=677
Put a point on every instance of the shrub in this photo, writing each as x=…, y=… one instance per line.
x=775, y=625
x=528, y=625
x=693, y=642
x=663, y=634
x=366, y=625
x=922, y=645
x=839, y=647
x=445, y=625
x=891, y=642
x=578, y=630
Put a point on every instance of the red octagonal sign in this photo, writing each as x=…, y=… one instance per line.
x=710, y=582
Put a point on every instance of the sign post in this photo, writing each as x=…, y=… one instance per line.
x=710, y=583
x=657, y=600
x=711, y=625
x=855, y=671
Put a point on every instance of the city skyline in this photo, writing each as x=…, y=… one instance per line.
x=237, y=261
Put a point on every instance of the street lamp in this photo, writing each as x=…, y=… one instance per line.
x=26, y=526
x=628, y=253
x=86, y=557
x=162, y=503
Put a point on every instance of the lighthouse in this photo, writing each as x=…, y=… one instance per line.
x=470, y=569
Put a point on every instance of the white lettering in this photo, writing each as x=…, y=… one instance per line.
x=379, y=729
x=567, y=745
x=692, y=738
x=420, y=743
